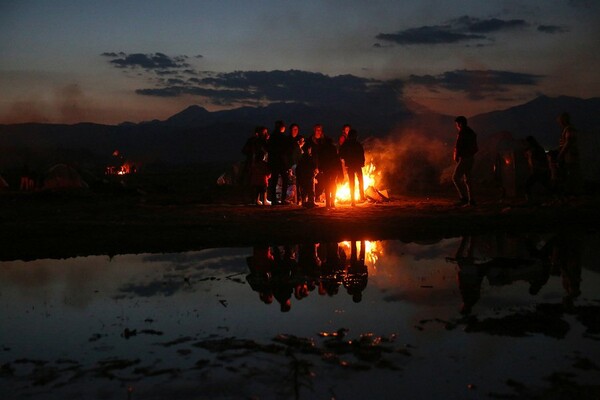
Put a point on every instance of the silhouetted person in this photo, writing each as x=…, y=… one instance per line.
x=353, y=154
x=314, y=143
x=306, y=171
x=568, y=156
x=27, y=179
x=539, y=167
x=253, y=150
x=464, y=156
x=330, y=167
x=279, y=147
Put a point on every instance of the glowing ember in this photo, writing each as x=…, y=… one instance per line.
x=369, y=177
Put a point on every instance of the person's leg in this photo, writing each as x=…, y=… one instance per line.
x=361, y=183
x=468, y=173
x=351, y=184
x=459, y=183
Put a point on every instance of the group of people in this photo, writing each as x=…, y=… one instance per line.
x=558, y=170
x=316, y=164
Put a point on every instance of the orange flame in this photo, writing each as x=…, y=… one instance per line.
x=369, y=179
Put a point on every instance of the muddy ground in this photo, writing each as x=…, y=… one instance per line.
x=76, y=223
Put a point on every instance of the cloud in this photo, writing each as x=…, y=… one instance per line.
x=155, y=61
x=476, y=83
x=250, y=87
x=461, y=29
x=552, y=29
x=427, y=35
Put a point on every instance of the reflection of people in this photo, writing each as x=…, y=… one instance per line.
x=283, y=285
x=464, y=156
x=470, y=275
x=353, y=154
x=357, y=275
x=261, y=266
x=331, y=269
x=566, y=257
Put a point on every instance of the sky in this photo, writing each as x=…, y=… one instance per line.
x=111, y=61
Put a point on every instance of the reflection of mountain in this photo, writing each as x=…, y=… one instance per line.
x=196, y=135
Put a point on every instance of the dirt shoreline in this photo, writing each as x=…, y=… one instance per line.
x=67, y=225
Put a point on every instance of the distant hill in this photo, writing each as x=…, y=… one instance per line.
x=538, y=118
x=196, y=135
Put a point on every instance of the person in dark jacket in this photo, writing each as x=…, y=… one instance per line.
x=353, y=154
x=539, y=167
x=330, y=166
x=464, y=156
x=279, y=147
x=306, y=170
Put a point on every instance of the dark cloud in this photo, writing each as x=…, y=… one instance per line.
x=428, y=35
x=462, y=29
x=284, y=86
x=551, y=29
x=156, y=61
x=490, y=25
x=477, y=84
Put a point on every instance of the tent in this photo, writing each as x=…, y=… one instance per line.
x=62, y=176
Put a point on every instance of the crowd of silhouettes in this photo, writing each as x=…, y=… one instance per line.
x=276, y=161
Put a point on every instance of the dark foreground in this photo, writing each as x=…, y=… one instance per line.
x=61, y=225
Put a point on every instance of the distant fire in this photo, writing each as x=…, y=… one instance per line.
x=120, y=166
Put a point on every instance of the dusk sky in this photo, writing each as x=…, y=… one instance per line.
x=113, y=61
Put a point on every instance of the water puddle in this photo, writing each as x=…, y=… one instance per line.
x=487, y=316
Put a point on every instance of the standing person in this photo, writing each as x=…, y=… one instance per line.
x=315, y=142
x=297, y=144
x=279, y=148
x=330, y=165
x=539, y=167
x=464, y=156
x=306, y=170
x=568, y=156
x=353, y=155
x=259, y=179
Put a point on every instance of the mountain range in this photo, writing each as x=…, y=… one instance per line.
x=196, y=135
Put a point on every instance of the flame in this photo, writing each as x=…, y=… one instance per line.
x=369, y=177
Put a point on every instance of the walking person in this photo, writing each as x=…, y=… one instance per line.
x=464, y=156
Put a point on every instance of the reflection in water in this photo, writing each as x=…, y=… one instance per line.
x=342, y=315
x=530, y=259
x=280, y=271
